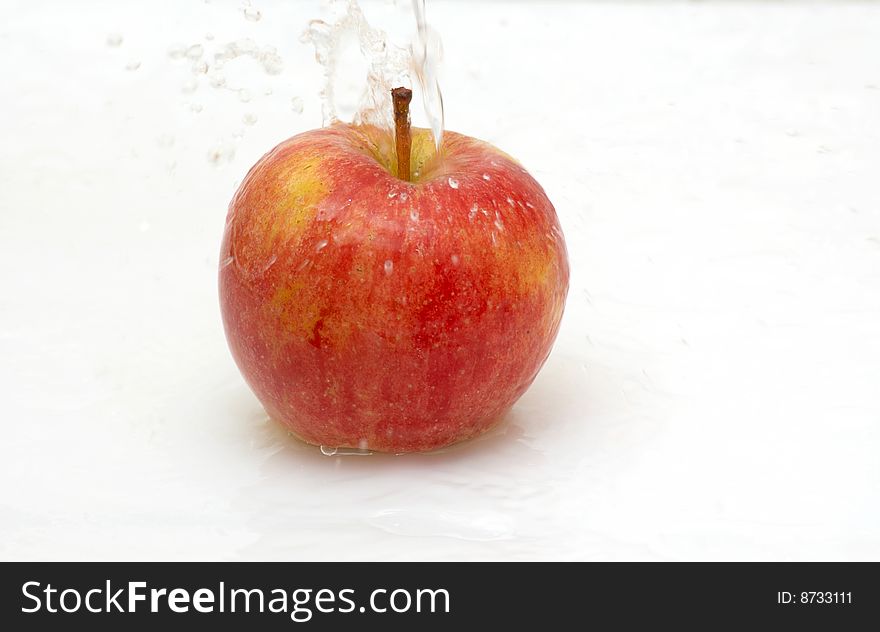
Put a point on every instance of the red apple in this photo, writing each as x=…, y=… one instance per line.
x=398, y=315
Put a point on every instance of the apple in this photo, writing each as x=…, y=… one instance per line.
x=379, y=294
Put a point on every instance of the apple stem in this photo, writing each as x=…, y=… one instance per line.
x=402, y=98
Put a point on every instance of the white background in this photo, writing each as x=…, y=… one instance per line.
x=714, y=392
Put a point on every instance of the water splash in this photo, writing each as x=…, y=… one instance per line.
x=427, y=52
x=367, y=100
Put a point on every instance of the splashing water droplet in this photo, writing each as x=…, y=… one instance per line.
x=272, y=63
x=221, y=153
x=296, y=104
x=195, y=51
x=486, y=177
x=251, y=14
x=267, y=57
x=216, y=78
x=114, y=40
x=249, y=119
x=328, y=451
x=453, y=183
x=389, y=267
x=200, y=67
x=321, y=245
x=133, y=65
x=209, y=36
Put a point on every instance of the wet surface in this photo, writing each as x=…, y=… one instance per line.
x=712, y=392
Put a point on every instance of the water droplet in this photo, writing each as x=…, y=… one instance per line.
x=209, y=36
x=328, y=451
x=195, y=107
x=413, y=213
x=114, y=40
x=473, y=212
x=530, y=205
x=244, y=95
x=227, y=261
x=296, y=104
x=321, y=245
x=453, y=183
x=195, y=51
x=272, y=63
x=510, y=200
x=251, y=14
x=216, y=78
x=221, y=153
x=249, y=119
x=392, y=194
x=486, y=177
x=389, y=267
x=454, y=259
x=403, y=198
x=200, y=67
x=132, y=65
x=498, y=223
x=269, y=263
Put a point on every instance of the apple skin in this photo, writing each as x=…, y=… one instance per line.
x=371, y=312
